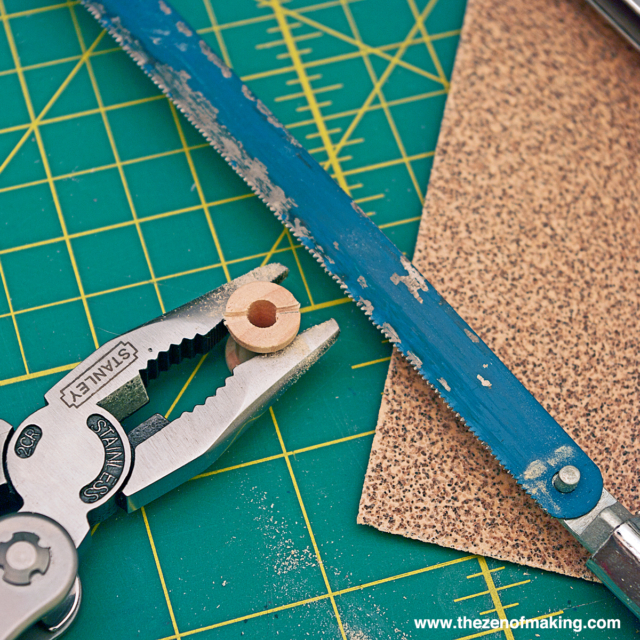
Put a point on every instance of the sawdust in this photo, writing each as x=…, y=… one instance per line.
x=289, y=557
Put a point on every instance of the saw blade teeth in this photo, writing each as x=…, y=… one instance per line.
x=445, y=401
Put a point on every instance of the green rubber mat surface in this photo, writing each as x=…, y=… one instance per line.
x=113, y=210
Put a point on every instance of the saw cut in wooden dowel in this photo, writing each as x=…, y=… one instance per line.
x=262, y=317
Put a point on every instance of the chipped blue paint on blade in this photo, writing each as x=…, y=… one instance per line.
x=433, y=337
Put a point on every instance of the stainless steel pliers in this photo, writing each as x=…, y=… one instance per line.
x=70, y=464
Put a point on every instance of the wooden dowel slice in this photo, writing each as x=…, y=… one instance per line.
x=234, y=354
x=262, y=317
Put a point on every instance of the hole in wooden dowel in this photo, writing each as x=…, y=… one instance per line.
x=262, y=314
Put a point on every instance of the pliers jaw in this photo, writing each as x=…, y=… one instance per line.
x=176, y=451
x=72, y=459
x=115, y=376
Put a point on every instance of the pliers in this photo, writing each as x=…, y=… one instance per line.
x=70, y=464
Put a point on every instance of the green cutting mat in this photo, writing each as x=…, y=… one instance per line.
x=112, y=210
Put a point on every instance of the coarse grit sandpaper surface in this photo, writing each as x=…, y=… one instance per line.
x=531, y=230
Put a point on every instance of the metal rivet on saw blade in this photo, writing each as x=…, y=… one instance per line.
x=567, y=479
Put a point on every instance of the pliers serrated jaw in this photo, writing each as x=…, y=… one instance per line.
x=72, y=462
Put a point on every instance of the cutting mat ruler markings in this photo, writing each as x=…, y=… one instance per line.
x=113, y=209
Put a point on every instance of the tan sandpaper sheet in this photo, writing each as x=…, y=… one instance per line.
x=531, y=230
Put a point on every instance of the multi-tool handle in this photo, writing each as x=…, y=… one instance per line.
x=617, y=563
x=612, y=535
x=39, y=578
x=68, y=465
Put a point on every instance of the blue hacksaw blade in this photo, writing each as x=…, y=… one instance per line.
x=449, y=355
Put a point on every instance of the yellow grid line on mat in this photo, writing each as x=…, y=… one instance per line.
x=504, y=606
x=480, y=573
x=218, y=32
x=491, y=589
x=395, y=61
x=370, y=108
x=36, y=10
x=294, y=248
x=309, y=94
x=35, y=121
x=87, y=112
x=495, y=596
x=185, y=386
x=127, y=223
x=273, y=249
x=427, y=41
x=269, y=17
x=45, y=163
x=52, y=63
x=201, y=196
x=160, y=574
x=277, y=456
x=341, y=592
x=316, y=549
x=362, y=46
x=116, y=155
x=383, y=102
x=13, y=319
x=342, y=57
